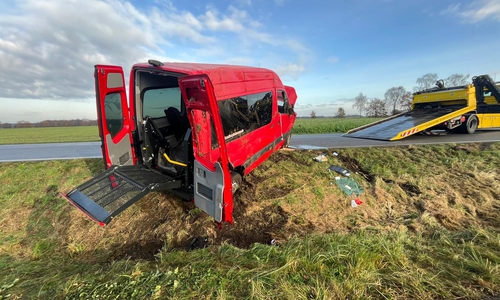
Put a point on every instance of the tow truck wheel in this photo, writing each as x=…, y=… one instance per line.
x=471, y=124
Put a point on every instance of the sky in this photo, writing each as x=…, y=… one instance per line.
x=330, y=51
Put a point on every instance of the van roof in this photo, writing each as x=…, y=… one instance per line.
x=228, y=80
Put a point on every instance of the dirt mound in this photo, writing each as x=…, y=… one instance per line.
x=291, y=195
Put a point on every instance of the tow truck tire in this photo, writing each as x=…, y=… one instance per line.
x=470, y=125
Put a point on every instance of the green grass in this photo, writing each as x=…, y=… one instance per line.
x=423, y=232
x=362, y=265
x=49, y=135
x=329, y=125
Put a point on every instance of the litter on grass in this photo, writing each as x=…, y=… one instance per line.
x=340, y=170
x=349, y=186
x=320, y=158
x=356, y=202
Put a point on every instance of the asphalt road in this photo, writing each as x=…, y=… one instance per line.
x=56, y=151
x=311, y=141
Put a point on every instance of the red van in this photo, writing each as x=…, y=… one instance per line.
x=188, y=128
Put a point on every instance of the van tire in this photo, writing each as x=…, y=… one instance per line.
x=287, y=140
x=236, y=181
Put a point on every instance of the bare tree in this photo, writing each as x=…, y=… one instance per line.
x=456, y=80
x=340, y=113
x=426, y=82
x=23, y=124
x=376, y=108
x=313, y=114
x=360, y=103
x=406, y=102
x=394, y=99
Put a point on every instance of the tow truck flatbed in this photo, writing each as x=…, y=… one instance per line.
x=463, y=109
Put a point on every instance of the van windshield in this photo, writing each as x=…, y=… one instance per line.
x=155, y=101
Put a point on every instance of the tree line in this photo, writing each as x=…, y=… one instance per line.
x=50, y=123
x=398, y=99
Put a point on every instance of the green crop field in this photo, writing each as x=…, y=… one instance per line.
x=49, y=135
x=428, y=227
x=90, y=133
x=329, y=125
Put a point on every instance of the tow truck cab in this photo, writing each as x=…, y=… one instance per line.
x=191, y=129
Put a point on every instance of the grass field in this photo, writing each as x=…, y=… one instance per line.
x=49, y=135
x=90, y=133
x=428, y=228
x=329, y=125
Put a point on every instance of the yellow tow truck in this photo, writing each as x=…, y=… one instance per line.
x=441, y=109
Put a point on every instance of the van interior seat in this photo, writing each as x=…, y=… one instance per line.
x=178, y=123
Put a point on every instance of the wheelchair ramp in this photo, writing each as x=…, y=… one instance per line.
x=109, y=193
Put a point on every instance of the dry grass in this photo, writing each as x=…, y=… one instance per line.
x=291, y=195
x=429, y=227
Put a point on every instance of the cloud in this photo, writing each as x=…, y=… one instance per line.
x=48, y=47
x=477, y=11
x=225, y=23
x=289, y=69
x=245, y=2
x=333, y=59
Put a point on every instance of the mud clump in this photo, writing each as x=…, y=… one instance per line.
x=410, y=189
x=262, y=226
x=145, y=250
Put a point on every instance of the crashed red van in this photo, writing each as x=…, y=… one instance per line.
x=193, y=130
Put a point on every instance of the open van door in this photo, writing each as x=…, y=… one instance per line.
x=211, y=175
x=123, y=183
x=114, y=120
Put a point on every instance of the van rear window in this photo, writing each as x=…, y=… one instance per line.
x=155, y=101
x=244, y=114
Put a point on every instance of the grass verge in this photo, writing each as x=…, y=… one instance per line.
x=428, y=228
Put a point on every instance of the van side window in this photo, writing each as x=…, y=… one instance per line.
x=156, y=100
x=113, y=113
x=282, y=102
x=244, y=114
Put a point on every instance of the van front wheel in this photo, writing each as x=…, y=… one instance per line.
x=287, y=140
x=236, y=181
